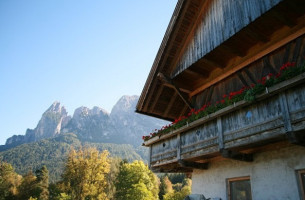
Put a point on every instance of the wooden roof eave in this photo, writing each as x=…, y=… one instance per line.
x=153, y=72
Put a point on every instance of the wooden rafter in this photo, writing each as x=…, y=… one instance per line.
x=159, y=92
x=195, y=73
x=280, y=17
x=233, y=50
x=241, y=78
x=170, y=104
x=167, y=80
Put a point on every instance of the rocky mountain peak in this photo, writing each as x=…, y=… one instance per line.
x=57, y=108
x=125, y=104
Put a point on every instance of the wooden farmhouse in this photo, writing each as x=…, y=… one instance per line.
x=230, y=76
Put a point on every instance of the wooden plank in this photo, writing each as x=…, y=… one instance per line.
x=220, y=133
x=149, y=157
x=251, y=59
x=178, y=147
x=193, y=165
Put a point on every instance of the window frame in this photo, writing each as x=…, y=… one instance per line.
x=301, y=184
x=229, y=180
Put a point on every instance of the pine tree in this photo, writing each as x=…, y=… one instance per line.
x=42, y=183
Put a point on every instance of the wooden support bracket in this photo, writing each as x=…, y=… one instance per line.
x=236, y=155
x=296, y=138
x=290, y=134
x=168, y=81
x=195, y=165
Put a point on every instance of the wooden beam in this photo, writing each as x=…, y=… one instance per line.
x=279, y=16
x=255, y=35
x=170, y=104
x=194, y=165
x=241, y=78
x=233, y=50
x=209, y=94
x=169, y=81
x=212, y=63
x=157, y=96
x=250, y=75
x=171, y=170
x=236, y=155
x=251, y=59
x=181, y=89
x=195, y=73
x=268, y=65
x=297, y=49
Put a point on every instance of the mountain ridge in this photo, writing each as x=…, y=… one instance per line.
x=121, y=126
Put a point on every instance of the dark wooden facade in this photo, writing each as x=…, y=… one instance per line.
x=213, y=47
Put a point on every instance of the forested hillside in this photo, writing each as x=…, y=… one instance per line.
x=53, y=153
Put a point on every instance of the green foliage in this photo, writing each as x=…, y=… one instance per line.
x=136, y=182
x=180, y=192
x=9, y=181
x=28, y=187
x=165, y=186
x=112, y=175
x=85, y=175
x=42, y=183
x=53, y=154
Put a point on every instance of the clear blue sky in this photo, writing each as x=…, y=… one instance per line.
x=79, y=52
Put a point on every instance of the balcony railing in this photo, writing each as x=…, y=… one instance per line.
x=277, y=115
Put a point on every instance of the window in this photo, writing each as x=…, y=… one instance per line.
x=239, y=188
x=301, y=177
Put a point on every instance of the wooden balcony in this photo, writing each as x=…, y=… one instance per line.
x=236, y=132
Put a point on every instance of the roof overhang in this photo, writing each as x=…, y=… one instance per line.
x=168, y=91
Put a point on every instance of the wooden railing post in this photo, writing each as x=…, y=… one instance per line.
x=291, y=135
x=220, y=134
x=178, y=147
x=149, y=156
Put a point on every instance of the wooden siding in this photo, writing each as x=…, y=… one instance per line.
x=277, y=112
x=222, y=20
x=271, y=63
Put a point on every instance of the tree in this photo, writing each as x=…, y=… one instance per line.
x=165, y=186
x=112, y=176
x=136, y=182
x=180, y=194
x=27, y=187
x=85, y=174
x=9, y=181
x=42, y=183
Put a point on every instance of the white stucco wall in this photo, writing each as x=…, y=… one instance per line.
x=272, y=175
